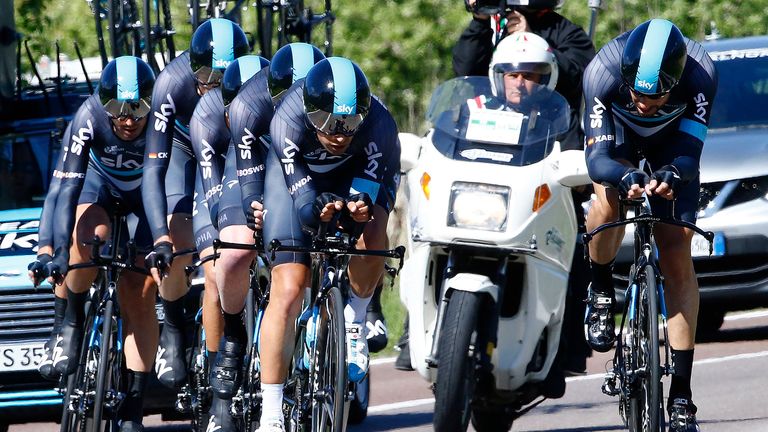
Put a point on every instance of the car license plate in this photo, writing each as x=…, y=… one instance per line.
x=22, y=356
x=700, y=246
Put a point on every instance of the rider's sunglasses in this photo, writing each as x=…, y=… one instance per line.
x=335, y=124
x=652, y=96
x=123, y=110
x=208, y=77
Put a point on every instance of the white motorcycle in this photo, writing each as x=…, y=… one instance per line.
x=491, y=236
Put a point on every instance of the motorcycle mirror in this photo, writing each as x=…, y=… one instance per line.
x=410, y=148
x=572, y=169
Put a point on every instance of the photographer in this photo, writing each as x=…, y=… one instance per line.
x=570, y=44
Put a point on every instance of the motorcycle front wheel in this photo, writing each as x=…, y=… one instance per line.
x=457, y=358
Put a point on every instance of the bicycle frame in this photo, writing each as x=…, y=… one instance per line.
x=644, y=256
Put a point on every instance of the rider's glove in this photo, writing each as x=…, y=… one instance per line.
x=38, y=268
x=348, y=224
x=667, y=174
x=309, y=214
x=161, y=256
x=633, y=176
x=57, y=267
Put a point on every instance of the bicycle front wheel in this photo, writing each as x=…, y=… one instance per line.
x=329, y=371
x=646, y=400
x=104, y=376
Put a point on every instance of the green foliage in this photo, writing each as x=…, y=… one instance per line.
x=404, y=46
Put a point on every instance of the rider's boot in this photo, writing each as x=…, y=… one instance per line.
x=403, y=361
x=170, y=365
x=220, y=416
x=131, y=411
x=682, y=416
x=376, y=325
x=45, y=367
x=226, y=372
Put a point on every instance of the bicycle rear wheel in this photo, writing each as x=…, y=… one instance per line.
x=78, y=385
x=329, y=374
x=646, y=397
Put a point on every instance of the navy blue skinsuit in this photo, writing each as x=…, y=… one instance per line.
x=299, y=168
x=97, y=167
x=169, y=174
x=674, y=135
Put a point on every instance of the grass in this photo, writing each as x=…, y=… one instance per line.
x=394, y=313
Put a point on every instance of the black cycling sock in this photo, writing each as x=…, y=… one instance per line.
x=375, y=304
x=174, y=312
x=234, y=327
x=212, y=358
x=59, y=308
x=132, y=408
x=681, y=379
x=602, y=278
x=75, y=310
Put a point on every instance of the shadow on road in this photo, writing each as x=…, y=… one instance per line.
x=385, y=422
x=735, y=335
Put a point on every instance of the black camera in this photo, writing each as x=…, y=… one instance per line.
x=493, y=7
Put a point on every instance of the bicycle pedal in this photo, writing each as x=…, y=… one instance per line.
x=609, y=385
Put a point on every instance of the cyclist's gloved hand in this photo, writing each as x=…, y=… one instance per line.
x=57, y=267
x=359, y=210
x=667, y=174
x=255, y=218
x=632, y=177
x=161, y=257
x=37, y=268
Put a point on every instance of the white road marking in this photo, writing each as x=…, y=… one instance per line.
x=420, y=402
x=747, y=315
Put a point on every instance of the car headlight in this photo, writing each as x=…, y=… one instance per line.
x=478, y=206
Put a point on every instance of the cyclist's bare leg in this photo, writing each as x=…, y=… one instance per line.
x=174, y=286
x=232, y=268
x=681, y=287
x=277, y=330
x=605, y=245
x=366, y=271
x=90, y=220
x=213, y=320
x=136, y=294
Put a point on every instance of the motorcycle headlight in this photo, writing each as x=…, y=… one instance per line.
x=478, y=206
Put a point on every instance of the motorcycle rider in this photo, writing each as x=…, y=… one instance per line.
x=649, y=94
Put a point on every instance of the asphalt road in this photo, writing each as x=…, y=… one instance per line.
x=729, y=385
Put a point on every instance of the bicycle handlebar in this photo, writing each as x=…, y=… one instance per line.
x=647, y=218
x=331, y=247
x=97, y=260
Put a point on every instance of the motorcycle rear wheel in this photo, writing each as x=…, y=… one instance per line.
x=457, y=358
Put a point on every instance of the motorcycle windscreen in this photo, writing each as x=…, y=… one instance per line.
x=472, y=124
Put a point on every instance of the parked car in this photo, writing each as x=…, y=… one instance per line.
x=734, y=187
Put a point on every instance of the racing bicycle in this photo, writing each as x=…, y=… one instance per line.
x=637, y=366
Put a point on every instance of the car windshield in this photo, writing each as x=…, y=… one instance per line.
x=742, y=93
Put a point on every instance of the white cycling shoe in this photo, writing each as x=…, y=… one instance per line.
x=271, y=427
x=357, y=351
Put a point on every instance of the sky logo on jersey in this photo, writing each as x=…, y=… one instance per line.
x=344, y=109
x=596, y=117
x=205, y=164
x=245, y=145
x=289, y=153
x=166, y=109
x=373, y=153
x=701, y=110
x=78, y=141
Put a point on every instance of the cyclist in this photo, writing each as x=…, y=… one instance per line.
x=170, y=184
x=211, y=142
x=649, y=95
x=110, y=129
x=334, y=150
x=249, y=115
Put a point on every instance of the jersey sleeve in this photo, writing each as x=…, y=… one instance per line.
x=599, y=126
x=250, y=114
x=74, y=164
x=210, y=141
x=45, y=231
x=700, y=81
x=474, y=49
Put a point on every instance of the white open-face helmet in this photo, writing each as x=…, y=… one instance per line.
x=522, y=52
